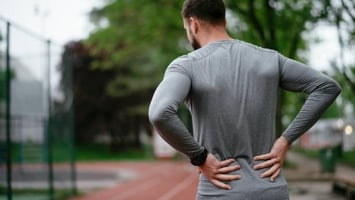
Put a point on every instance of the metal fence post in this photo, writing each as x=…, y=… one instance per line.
x=70, y=69
x=49, y=125
x=10, y=70
x=8, y=114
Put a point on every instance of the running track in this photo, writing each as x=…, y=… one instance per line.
x=161, y=180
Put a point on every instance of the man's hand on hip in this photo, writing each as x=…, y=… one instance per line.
x=273, y=160
x=217, y=172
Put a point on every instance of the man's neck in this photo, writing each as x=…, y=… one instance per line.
x=214, y=36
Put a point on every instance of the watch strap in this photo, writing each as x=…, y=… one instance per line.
x=199, y=159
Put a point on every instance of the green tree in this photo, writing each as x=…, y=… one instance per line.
x=342, y=16
x=117, y=69
x=96, y=112
x=137, y=41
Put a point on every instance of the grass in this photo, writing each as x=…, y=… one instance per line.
x=348, y=158
x=83, y=152
x=101, y=152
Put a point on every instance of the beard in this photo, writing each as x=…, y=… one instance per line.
x=194, y=43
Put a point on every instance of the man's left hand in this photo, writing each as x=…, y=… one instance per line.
x=273, y=161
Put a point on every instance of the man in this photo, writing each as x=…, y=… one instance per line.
x=231, y=89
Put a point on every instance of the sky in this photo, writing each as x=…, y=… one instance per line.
x=327, y=49
x=59, y=20
x=65, y=20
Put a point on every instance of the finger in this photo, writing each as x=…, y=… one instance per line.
x=276, y=174
x=266, y=164
x=227, y=177
x=220, y=184
x=228, y=169
x=263, y=157
x=226, y=162
x=271, y=171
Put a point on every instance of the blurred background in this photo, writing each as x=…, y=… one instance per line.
x=76, y=79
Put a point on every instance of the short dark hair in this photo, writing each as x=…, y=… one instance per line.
x=212, y=11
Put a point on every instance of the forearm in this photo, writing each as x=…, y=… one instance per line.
x=163, y=114
x=174, y=132
x=317, y=102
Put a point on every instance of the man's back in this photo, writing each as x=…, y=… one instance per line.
x=231, y=89
x=232, y=99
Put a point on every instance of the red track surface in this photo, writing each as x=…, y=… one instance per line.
x=155, y=181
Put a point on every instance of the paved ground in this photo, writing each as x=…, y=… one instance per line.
x=151, y=180
x=165, y=180
x=312, y=191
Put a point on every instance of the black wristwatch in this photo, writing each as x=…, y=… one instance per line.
x=199, y=159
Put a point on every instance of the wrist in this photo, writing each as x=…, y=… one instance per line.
x=199, y=159
x=285, y=141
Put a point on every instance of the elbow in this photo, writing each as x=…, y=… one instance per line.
x=336, y=88
x=330, y=87
x=161, y=112
x=156, y=115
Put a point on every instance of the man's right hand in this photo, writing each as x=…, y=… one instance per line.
x=217, y=172
x=273, y=161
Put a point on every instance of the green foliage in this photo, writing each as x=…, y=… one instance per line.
x=342, y=16
x=138, y=42
x=334, y=111
x=101, y=152
x=278, y=25
x=347, y=85
x=347, y=158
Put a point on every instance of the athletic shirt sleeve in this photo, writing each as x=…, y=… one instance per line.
x=169, y=95
x=321, y=90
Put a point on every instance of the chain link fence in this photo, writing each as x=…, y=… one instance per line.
x=37, y=153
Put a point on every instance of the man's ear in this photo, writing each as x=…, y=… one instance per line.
x=194, y=24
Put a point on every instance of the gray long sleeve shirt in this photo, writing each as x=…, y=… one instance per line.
x=231, y=89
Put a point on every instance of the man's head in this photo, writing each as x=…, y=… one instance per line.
x=199, y=14
x=212, y=11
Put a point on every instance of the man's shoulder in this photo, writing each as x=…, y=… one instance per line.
x=255, y=47
x=180, y=64
x=182, y=60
